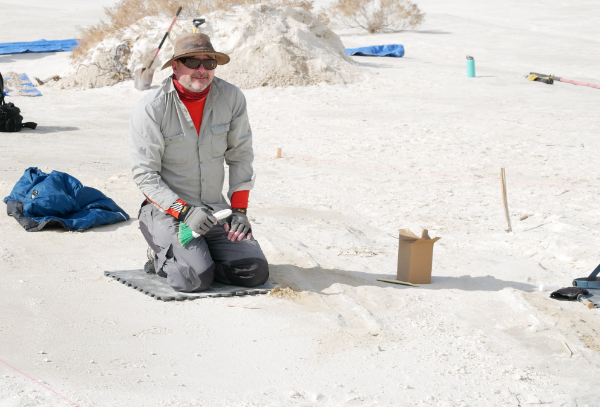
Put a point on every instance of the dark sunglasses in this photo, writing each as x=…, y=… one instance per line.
x=193, y=63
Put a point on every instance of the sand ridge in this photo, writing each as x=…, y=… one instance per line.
x=268, y=46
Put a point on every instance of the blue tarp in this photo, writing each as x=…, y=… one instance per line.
x=390, y=50
x=24, y=88
x=37, y=46
x=39, y=199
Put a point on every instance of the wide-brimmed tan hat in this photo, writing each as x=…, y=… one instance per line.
x=190, y=45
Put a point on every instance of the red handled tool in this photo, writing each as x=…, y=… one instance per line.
x=143, y=77
x=556, y=78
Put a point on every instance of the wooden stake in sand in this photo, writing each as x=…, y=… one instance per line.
x=396, y=282
x=566, y=348
x=503, y=179
x=279, y=152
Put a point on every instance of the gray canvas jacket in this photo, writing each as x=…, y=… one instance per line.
x=171, y=161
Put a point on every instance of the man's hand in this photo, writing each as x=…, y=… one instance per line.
x=200, y=220
x=238, y=226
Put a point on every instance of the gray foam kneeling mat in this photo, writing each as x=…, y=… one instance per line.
x=157, y=287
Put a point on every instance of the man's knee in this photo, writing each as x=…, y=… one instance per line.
x=250, y=272
x=188, y=278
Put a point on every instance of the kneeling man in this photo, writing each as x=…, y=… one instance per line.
x=181, y=136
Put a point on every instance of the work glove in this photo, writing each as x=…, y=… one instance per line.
x=238, y=225
x=200, y=220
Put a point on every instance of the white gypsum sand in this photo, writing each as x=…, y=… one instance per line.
x=268, y=46
x=416, y=145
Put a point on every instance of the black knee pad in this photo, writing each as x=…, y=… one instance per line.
x=249, y=272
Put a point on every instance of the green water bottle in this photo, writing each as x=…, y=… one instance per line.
x=470, y=67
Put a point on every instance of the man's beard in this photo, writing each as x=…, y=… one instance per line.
x=188, y=83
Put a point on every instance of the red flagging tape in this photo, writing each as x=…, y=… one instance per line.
x=41, y=384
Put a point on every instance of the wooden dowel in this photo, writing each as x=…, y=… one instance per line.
x=588, y=303
x=279, y=152
x=503, y=179
x=566, y=348
x=396, y=282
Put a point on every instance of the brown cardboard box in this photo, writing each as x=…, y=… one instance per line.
x=415, y=256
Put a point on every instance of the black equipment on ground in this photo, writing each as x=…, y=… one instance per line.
x=10, y=117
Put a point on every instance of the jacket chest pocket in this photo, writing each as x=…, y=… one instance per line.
x=176, y=151
x=219, y=139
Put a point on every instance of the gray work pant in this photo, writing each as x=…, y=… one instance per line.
x=204, y=259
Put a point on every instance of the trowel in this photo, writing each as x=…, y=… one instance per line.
x=142, y=78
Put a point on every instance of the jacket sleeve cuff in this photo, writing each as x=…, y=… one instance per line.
x=239, y=199
x=244, y=186
x=176, y=208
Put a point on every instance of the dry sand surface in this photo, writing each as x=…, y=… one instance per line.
x=416, y=145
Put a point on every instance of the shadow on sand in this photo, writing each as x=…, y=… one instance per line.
x=52, y=129
x=375, y=65
x=317, y=280
x=366, y=34
x=113, y=227
x=56, y=227
x=430, y=32
x=25, y=56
